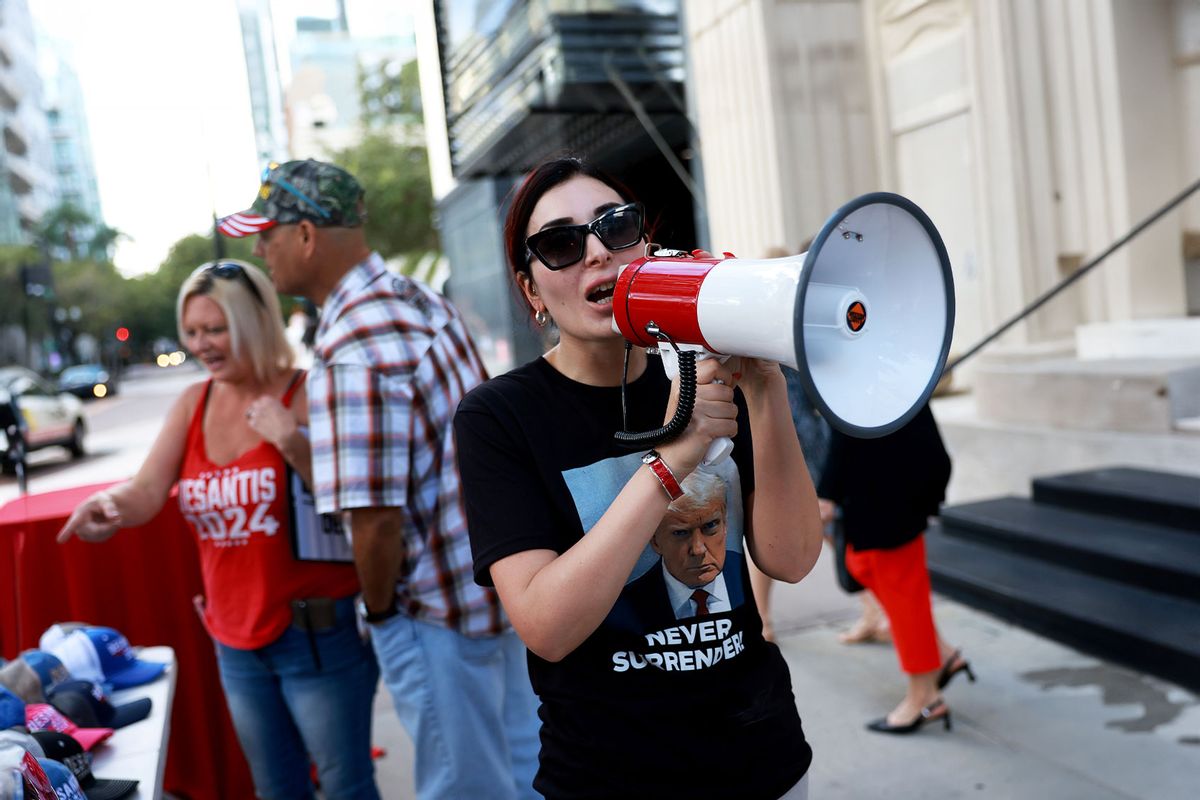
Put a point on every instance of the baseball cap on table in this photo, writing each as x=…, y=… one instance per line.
x=66, y=751
x=17, y=751
x=49, y=668
x=103, y=655
x=19, y=738
x=12, y=709
x=34, y=778
x=63, y=749
x=85, y=703
x=42, y=717
x=322, y=193
x=66, y=787
x=56, y=633
x=21, y=679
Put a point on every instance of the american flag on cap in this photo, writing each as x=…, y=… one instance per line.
x=244, y=223
x=296, y=191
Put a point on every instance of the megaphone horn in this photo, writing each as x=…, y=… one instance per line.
x=865, y=315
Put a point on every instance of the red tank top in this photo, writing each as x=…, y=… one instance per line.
x=239, y=513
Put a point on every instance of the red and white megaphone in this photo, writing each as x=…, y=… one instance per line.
x=865, y=316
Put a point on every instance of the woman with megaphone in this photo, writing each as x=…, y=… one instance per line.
x=624, y=572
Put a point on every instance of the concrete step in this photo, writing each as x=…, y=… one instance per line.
x=1161, y=498
x=1177, y=337
x=1188, y=424
x=1132, y=394
x=1149, y=631
x=993, y=459
x=1153, y=557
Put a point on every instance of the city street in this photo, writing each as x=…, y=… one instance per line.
x=1043, y=721
x=121, y=429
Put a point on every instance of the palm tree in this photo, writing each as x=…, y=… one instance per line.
x=103, y=241
x=61, y=227
x=72, y=234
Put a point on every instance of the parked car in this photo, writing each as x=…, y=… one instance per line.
x=47, y=417
x=87, y=381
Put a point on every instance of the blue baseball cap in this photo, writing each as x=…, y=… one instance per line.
x=62, y=779
x=12, y=709
x=122, y=668
x=49, y=668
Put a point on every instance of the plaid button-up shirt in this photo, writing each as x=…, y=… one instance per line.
x=391, y=362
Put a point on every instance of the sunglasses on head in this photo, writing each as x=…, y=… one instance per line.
x=232, y=272
x=563, y=245
x=269, y=180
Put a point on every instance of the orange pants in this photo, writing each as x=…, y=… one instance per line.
x=900, y=580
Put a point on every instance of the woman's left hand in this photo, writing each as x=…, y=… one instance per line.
x=755, y=375
x=271, y=420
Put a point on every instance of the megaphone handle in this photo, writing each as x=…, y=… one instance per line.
x=718, y=451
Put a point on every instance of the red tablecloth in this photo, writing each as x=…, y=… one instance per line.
x=140, y=582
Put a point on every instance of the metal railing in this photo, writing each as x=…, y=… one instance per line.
x=1077, y=274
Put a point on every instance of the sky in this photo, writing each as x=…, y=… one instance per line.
x=168, y=109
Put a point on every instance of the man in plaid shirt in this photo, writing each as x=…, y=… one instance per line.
x=392, y=360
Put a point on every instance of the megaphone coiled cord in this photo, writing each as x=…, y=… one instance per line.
x=683, y=410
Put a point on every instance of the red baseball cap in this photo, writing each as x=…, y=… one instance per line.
x=43, y=717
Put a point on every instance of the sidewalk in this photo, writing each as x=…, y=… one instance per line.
x=1043, y=721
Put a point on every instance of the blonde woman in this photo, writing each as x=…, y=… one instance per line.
x=298, y=680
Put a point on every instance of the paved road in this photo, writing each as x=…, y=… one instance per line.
x=121, y=429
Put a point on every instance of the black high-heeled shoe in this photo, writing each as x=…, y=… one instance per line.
x=948, y=670
x=928, y=714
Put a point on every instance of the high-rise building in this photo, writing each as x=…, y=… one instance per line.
x=27, y=187
x=262, y=73
x=66, y=117
x=521, y=80
x=323, y=97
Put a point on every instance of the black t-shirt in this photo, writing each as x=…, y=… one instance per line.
x=887, y=487
x=659, y=701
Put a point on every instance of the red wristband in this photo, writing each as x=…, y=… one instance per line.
x=664, y=474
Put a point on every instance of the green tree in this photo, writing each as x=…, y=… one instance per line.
x=29, y=314
x=73, y=234
x=389, y=93
x=12, y=258
x=66, y=229
x=104, y=239
x=96, y=289
x=391, y=163
x=148, y=306
x=399, y=196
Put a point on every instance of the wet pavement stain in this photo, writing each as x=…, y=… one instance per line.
x=1118, y=687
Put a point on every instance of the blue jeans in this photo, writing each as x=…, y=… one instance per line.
x=467, y=704
x=284, y=711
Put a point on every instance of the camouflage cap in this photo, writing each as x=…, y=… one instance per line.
x=323, y=194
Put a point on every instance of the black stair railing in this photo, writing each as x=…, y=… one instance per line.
x=1076, y=275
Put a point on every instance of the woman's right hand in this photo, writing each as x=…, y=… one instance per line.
x=94, y=520
x=714, y=416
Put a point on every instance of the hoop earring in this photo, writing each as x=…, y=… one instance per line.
x=541, y=317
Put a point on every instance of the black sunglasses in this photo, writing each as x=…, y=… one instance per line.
x=563, y=245
x=232, y=272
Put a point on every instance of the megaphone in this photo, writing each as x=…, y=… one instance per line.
x=865, y=315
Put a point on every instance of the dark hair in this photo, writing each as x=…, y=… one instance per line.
x=542, y=179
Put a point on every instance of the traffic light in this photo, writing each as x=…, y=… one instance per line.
x=122, y=334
